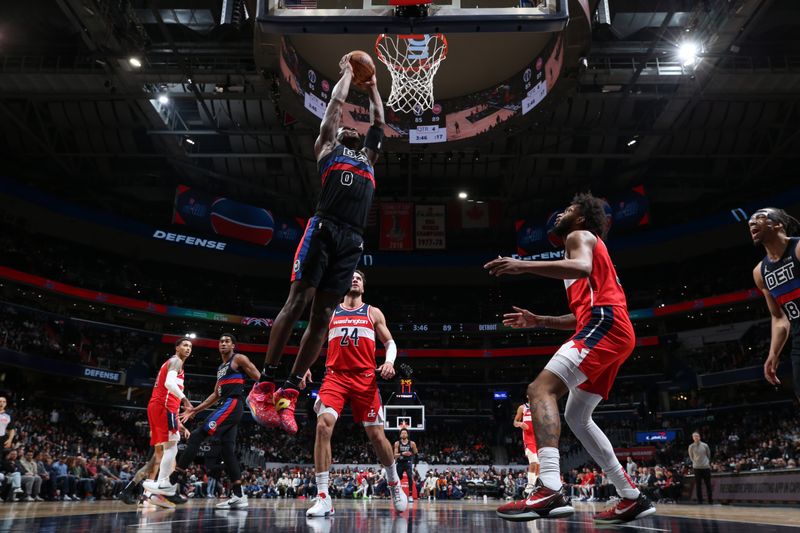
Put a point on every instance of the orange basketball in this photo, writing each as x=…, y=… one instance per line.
x=363, y=66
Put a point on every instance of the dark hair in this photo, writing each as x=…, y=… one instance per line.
x=789, y=223
x=230, y=335
x=182, y=340
x=363, y=277
x=593, y=212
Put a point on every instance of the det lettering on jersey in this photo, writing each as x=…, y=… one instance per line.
x=358, y=155
x=779, y=276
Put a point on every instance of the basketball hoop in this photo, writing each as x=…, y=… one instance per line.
x=412, y=61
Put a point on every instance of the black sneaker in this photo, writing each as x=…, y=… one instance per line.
x=177, y=498
x=132, y=493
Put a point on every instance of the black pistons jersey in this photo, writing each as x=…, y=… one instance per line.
x=229, y=382
x=348, y=184
x=404, y=448
x=782, y=279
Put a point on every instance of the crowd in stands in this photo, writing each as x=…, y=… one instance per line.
x=75, y=451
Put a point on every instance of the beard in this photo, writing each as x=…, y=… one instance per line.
x=561, y=229
x=354, y=293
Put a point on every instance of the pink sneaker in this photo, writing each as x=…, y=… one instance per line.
x=261, y=405
x=285, y=402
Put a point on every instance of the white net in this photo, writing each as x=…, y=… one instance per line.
x=412, y=61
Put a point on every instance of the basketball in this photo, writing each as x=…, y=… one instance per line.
x=363, y=66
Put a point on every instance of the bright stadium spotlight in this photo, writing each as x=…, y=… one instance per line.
x=163, y=99
x=192, y=335
x=135, y=62
x=687, y=53
x=463, y=195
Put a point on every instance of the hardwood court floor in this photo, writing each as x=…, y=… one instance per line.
x=373, y=516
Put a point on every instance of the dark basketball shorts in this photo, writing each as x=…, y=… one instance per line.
x=327, y=255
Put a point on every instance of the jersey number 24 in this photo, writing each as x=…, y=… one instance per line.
x=347, y=336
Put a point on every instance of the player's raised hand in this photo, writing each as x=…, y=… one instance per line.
x=345, y=66
x=771, y=370
x=521, y=318
x=386, y=370
x=504, y=266
x=306, y=380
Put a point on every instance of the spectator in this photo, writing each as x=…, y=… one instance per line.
x=700, y=455
x=31, y=480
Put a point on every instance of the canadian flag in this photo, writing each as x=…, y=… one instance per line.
x=474, y=214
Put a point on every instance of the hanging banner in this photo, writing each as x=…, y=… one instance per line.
x=430, y=227
x=397, y=233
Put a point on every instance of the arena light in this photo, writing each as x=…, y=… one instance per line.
x=687, y=53
x=163, y=99
x=135, y=62
x=190, y=140
x=192, y=335
x=463, y=195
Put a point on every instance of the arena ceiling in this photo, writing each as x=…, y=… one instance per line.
x=80, y=119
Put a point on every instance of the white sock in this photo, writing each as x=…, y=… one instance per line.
x=322, y=482
x=167, y=463
x=622, y=482
x=549, y=471
x=531, y=478
x=391, y=473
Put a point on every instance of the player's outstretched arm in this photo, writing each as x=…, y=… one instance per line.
x=205, y=404
x=577, y=264
x=780, y=327
x=522, y=318
x=374, y=140
x=333, y=114
x=385, y=336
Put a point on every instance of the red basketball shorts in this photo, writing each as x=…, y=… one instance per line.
x=591, y=359
x=163, y=424
x=360, y=389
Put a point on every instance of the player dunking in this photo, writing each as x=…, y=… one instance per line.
x=585, y=366
x=329, y=251
x=224, y=422
x=165, y=427
x=523, y=421
x=778, y=277
x=405, y=450
x=351, y=377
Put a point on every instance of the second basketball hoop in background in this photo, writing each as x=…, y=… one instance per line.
x=413, y=61
x=363, y=66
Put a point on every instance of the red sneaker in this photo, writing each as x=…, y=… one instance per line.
x=285, y=402
x=261, y=405
x=542, y=503
x=626, y=510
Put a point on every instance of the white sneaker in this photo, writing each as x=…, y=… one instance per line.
x=160, y=501
x=160, y=487
x=323, y=506
x=399, y=497
x=234, y=502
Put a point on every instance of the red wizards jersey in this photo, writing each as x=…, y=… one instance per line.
x=600, y=288
x=528, y=437
x=160, y=393
x=351, y=340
